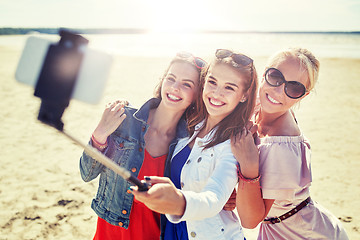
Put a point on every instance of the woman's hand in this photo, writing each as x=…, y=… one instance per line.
x=231, y=203
x=111, y=119
x=246, y=152
x=162, y=197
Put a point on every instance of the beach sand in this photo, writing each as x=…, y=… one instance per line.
x=42, y=195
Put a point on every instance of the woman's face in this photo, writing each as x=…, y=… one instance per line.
x=223, y=90
x=274, y=99
x=180, y=86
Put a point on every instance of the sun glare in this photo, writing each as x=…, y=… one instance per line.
x=174, y=16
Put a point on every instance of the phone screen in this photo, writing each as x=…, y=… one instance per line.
x=58, y=74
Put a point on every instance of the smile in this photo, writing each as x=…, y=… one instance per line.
x=272, y=100
x=173, y=97
x=215, y=102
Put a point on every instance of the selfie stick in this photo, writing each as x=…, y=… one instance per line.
x=55, y=86
x=98, y=156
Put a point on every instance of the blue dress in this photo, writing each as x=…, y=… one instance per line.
x=177, y=231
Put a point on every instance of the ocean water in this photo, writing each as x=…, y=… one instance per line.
x=323, y=45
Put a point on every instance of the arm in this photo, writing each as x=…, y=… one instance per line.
x=112, y=117
x=251, y=207
x=190, y=205
x=162, y=197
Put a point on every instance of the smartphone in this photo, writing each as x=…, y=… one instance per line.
x=91, y=78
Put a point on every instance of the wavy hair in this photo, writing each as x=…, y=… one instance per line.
x=157, y=91
x=236, y=120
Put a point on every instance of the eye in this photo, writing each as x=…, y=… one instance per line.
x=212, y=82
x=188, y=85
x=170, y=79
x=275, y=78
x=229, y=88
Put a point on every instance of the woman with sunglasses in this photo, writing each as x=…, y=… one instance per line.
x=203, y=168
x=282, y=165
x=141, y=141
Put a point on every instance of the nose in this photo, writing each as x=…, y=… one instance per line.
x=217, y=92
x=279, y=90
x=176, y=86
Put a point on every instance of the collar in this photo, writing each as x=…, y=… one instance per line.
x=142, y=114
x=207, y=137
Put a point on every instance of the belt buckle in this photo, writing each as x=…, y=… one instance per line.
x=275, y=220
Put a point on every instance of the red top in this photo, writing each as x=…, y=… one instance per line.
x=144, y=223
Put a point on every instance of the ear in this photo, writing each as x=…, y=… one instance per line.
x=307, y=93
x=244, y=98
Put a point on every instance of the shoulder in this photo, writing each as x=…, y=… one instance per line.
x=285, y=126
x=285, y=162
x=222, y=151
x=284, y=147
x=223, y=146
x=130, y=109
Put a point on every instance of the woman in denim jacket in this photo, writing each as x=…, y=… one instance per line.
x=203, y=168
x=140, y=141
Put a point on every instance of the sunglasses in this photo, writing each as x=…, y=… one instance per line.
x=198, y=62
x=293, y=89
x=238, y=59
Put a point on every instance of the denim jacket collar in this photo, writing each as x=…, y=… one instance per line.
x=142, y=115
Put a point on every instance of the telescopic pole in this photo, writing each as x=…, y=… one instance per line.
x=98, y=156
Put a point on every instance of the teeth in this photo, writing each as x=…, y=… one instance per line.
x=173, y=97
x=216, y=102
x=272, y=100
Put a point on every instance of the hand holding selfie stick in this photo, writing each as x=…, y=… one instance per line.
x=55, y=85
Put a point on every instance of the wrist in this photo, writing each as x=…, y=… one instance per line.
x=100, y=146
x=248, y=175
x=182, y=203
x=99, y=137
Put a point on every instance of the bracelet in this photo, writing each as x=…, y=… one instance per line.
x=247, y=180
x=101, y=146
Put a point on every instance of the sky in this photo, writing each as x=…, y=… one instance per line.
x=178, y=15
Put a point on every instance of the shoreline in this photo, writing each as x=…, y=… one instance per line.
x=42, y=195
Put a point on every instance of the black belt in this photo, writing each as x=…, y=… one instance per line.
x=289, y=213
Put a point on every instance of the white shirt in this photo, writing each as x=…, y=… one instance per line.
x=207, y=180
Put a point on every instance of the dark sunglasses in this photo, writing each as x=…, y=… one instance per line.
x=293, y=89
x=238, y=59
x=198, y=62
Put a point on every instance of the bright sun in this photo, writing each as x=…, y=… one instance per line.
x=174, y=16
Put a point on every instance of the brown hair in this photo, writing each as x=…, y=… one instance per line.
x=157, y=91
x=236, y=120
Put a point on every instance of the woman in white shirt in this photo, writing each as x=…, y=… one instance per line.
x=203, y=168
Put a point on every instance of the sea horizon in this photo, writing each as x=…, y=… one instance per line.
x=257, y=44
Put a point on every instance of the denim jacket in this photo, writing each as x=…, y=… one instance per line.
x=126, y=147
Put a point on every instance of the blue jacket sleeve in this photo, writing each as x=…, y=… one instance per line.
x=89, y=167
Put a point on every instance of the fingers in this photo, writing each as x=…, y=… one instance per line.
x=249, y=124
x=231, y=203
x=140, y=196
x=253, y=130
x=115, y=109
x=251, y=127
x=123, y=102
x=229, y=206
x=155, y=179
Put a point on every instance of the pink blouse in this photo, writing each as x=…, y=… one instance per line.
x=286, y=177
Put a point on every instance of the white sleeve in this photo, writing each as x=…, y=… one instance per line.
x=212, y=198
